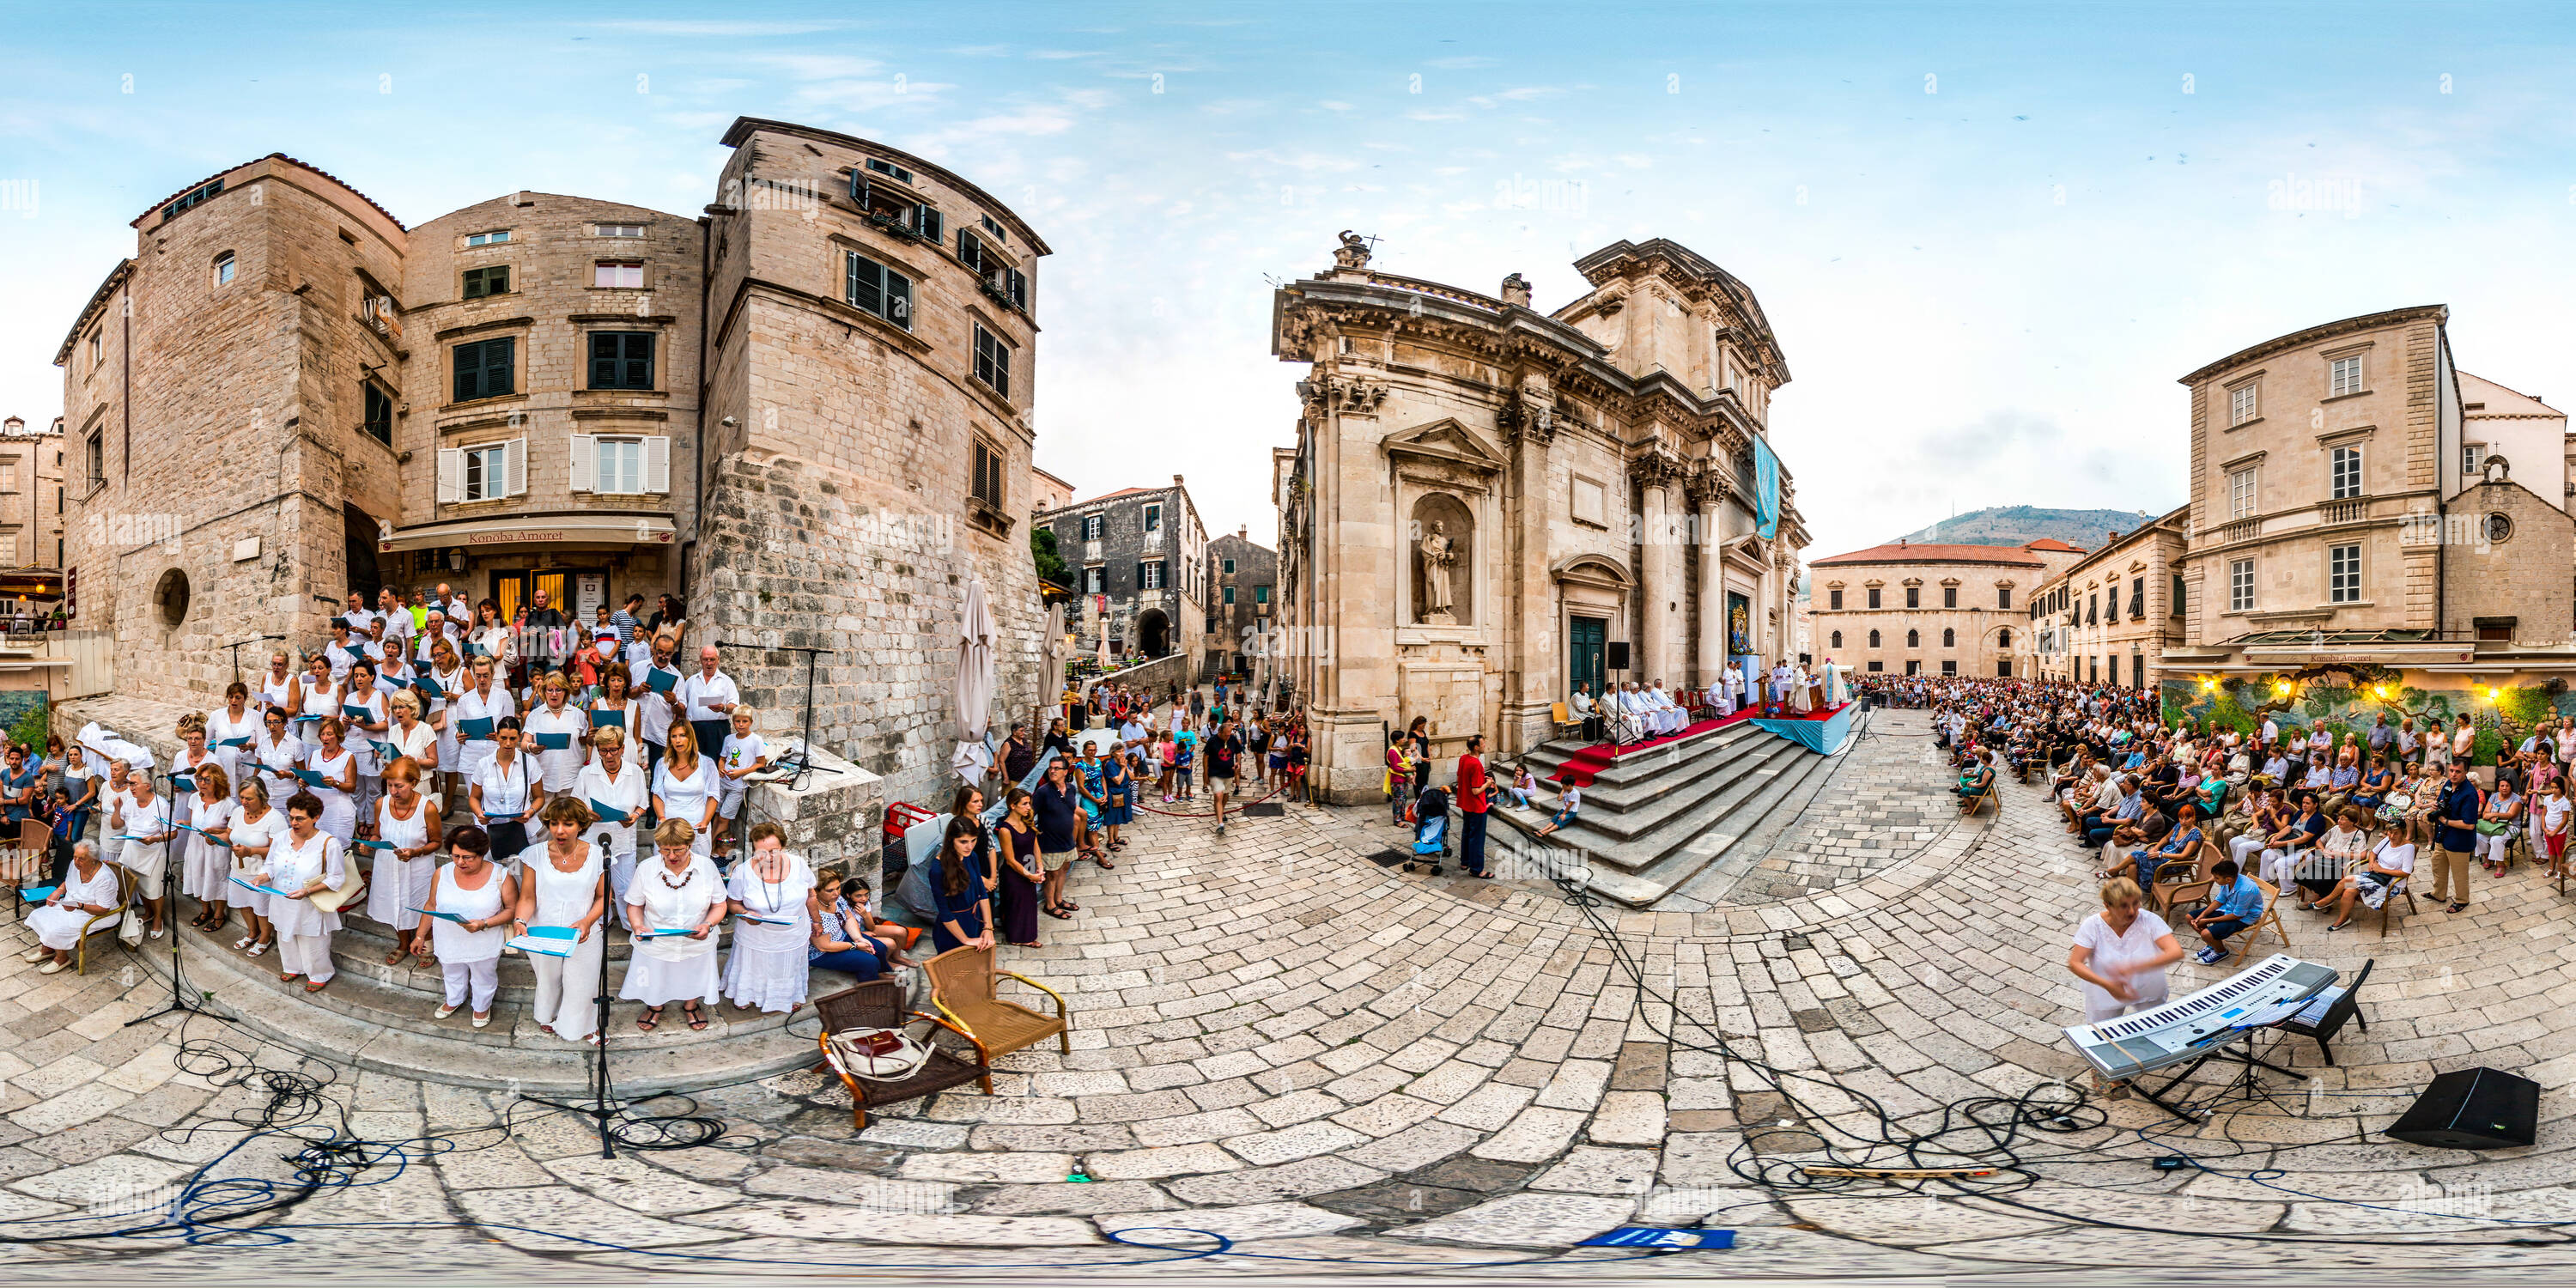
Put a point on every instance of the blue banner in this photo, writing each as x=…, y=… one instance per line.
x=1766, y=490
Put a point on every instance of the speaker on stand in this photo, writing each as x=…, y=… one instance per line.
x=1614, y=657
x=2472, y=1109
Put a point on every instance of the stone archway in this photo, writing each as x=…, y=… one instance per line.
x=1153, y=633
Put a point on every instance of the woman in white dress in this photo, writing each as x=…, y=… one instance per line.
x=232, y=728
x=400, y=880
x=202, y=877
x=685, y=787
x=614, y=707
x=319, y=696
x=491, y=638
x=506, y=792
x=281, y=689
x=364, y=720
x=675, y=906
x=88, y=890
x=275, y=755
x=565, y=883
x=411, y=737
x=142, y=819
x=255, y=829
x=304, y=862
x=451, y=678
x=206, y=863
x=480, y=699
x=772, y=894
x=612, y=787
x=555, y=717
x=338, y=767
x=476, y=898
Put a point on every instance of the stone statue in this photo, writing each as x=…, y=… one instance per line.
x=1516, y=290
x=1439, y=559
x=1353, y=252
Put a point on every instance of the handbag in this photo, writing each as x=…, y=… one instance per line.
x=2491, y=827
x=878, y=1055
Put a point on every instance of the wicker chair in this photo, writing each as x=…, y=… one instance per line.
x=878, y=1004
x=961, y=986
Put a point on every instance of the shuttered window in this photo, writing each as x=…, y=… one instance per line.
x=621, y=360
x=874, y=288
x=491, y=280
x=993, y=361
x=484, y=369
x=987, y=482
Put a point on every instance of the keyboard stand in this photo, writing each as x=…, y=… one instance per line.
x=2224, y=1050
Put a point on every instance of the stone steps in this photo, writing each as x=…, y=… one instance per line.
x=380, y=1018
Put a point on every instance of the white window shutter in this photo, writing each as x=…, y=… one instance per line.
x=585, y=462
x=657, y=463
x=515, y=465
x=451, y=475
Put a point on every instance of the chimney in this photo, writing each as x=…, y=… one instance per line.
x=2115, y=534
x=1176, y=480
x=1243, y=532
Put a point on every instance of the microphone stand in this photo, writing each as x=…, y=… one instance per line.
x=179, y=999
x=603, y=1093
x=805, y=744
x=238, y=645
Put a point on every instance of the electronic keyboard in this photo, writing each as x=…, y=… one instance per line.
x=2190, y=1027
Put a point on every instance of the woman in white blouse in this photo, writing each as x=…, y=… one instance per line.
x=281, y=688
x=613, y=708
x=772, y=895
x=467, y=918
x=276, y=754
x=555, y=718
x=448, y=672
x=482, y=699
x=206, y=883
x=206, y=865
x=143, y=820
x=675, y=906
x=491, y=638
x=685, y=786
x=400, y=880
x=89, y=890
x=565, y=883
x=612, y=786
x=301, y=864
x=505, y=792
x=338, y=768
x=411, y=737
x=364, y=720
x=255, y=829
x=232, y=728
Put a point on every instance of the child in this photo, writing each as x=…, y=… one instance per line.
x=744, y=754
x=1568, y=803
x=1523, y=783
x=1167, y=755
x=1187, y=743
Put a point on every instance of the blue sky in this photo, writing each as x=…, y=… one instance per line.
x=1990, y=237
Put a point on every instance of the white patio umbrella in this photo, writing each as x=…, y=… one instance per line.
x=1051, y=682
x=974, y=686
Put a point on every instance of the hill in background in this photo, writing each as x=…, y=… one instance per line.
x=2012, y=525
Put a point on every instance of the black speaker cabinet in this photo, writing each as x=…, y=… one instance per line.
x=1616, y=655
x=2472, y=1109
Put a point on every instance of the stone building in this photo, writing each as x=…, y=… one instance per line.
x=1924, y=608
x=1243, y=585
x=2349, y=508
x=1139, y=562
x=1047, y=492
x=32, y=509
x=2122, y=601
x=1483, y=498
x=287, y=394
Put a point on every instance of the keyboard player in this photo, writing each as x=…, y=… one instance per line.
x=2120, y=955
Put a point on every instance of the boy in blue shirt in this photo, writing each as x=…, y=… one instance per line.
x=2235, y=902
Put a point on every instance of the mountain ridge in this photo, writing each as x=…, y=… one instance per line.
x=2013, y=525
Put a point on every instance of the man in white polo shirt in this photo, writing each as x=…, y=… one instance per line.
x=711, y=697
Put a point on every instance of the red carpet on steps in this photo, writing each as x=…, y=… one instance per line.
x=1580, y=768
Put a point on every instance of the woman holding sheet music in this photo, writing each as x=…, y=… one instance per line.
x=772, y=893
x=276, y=753
x=231, y=729
x=564, y=884
x=140, y=821
x=304, y=862
x=407, y=833
x=685, y=787
x=674, y=907
x=365, y=720
x=330, y=773
x=411, y=737
x=614, y=704
x=613, y=786
x=206, y=863
x=256, y=829
x=505, y=792
x=281, y=688
x=473, y=714
x=491, y=638
x=555, y=730
x=466, y=918
x=447, y=678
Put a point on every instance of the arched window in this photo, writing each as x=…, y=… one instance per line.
x=1914, y=639
x=1949, y=638
x=1838, y=639
x=1873, y=639
x=2003, y=638
x=224, y=269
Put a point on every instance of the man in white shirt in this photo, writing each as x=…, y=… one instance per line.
x=658, y=709
x=710, y=696
x=1734, y=687
x=1585, y=713
x=358, y=613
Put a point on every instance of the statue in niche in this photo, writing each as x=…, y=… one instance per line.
x=1439, y=562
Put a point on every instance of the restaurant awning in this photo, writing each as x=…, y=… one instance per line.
x=544, y=529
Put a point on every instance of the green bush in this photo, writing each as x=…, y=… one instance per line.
x=2490, y=742
x=31, y=727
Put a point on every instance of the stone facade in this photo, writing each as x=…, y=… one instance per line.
x=1913, y=608
x=868, y=444
x=1243, y=592
x=1047, y=492
x=32, y=509
x=1570, y=480
x=2346, y=505
x=1114, y=545
x=2110, y=618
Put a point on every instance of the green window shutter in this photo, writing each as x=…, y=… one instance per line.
x=603, y=360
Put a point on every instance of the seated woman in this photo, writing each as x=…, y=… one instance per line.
x=2182, y=843
x=2390, y=863
x=840, y=940
x=2376, y=782
x=89, y=890
x=674, y=906
x=2337, y=849
x=2255, y=829
x=2498, y=824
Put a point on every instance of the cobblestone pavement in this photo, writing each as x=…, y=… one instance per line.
x=1886, y=797
x=1342, y=1068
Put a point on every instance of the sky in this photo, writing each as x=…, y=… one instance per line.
x=1990, y=238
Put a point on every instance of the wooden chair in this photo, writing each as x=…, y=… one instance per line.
x=2271, y=917
x=2177, y=878
x=961, y=986
x=30, y=861
x=878, y=1004
x=2344, y=1009
x=1983, y=799
x=2389, y=904
x=124, y=905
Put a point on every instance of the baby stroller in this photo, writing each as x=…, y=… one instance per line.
x=1430, y=829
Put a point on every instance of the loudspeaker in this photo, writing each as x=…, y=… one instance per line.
x=2472, y=1109
x=1616, y=657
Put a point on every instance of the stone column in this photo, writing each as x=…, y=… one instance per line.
x=1533, y=657
x=1708, y=493
x=1658, y=580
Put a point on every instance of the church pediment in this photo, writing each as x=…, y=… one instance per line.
x=1447, y=441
